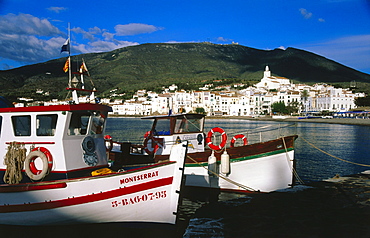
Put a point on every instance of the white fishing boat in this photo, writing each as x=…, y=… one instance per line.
x=263, y=166
x=55, y=170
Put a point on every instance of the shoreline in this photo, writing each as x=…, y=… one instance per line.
x=344, y=121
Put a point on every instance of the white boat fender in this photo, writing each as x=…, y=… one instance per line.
x=225, y=163
x=108, y=143
x=47, y=163
x=212, y=164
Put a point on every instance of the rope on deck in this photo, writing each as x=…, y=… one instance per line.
x=14, y=161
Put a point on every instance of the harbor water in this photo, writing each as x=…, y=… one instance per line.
x=322, y=151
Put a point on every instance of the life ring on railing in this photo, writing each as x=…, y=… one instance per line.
x=47, y=163
x=147, y=134
x=209, y=138
x=239, y=136
x=146, y=141
x=108, y=143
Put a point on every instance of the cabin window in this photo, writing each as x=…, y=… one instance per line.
x=21, y=125
x=162, y=127
x=185, y=125
x=78, y=124
x=97, y=123
x=46, y=125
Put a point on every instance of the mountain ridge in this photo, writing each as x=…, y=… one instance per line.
x=154, y=65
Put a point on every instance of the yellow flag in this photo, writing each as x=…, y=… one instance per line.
x=66, y=66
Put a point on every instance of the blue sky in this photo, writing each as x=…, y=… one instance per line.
x=34, y=31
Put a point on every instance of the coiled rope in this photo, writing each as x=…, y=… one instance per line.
x=350, y=162
x=14, y=161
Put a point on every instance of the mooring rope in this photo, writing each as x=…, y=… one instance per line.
x=223, y=177
x=347, y=161
x=14, y=161
x=294, y=171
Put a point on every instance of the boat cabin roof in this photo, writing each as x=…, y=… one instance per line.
x=177, y=116
x=72, y=107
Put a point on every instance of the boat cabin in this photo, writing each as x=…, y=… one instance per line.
x=173, y=129
x=71, y=137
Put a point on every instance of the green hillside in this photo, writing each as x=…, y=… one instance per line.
x=190, y=65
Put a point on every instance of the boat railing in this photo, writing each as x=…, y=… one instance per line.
x=261, y=134
x=269, y=132
x=254, y=135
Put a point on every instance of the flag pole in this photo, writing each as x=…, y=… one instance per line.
x=69, y=57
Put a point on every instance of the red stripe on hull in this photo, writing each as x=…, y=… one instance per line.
x=29, y=187
x=87, y=198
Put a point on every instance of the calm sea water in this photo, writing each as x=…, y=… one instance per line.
x=348, y=142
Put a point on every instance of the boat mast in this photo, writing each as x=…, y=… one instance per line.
x=69, y=57
x=72, y=82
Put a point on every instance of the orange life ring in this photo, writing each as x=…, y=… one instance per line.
x=108, y=139
x=239, y=136
x=47, y=163
x=148, y=138
x=209, y=138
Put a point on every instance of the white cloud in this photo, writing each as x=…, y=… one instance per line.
x=28, y=39
x=135, y=29
x=103, y=46
x=108, y=36
x=86, y=35
x=28, y=48
x=321, y=20
x=222, y=39
x=26, y=24
x=57, y=9
x=305, y=13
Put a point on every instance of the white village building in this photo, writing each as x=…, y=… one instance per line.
x=251, y=101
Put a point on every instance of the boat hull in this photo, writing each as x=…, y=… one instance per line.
x=261, y=167
x=264, y=174
x=145, y=195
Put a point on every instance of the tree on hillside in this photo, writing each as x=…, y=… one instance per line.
x=293, y=107
x=304, y=96
x=362, y=102
x=279, y=107
x=200, y=110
